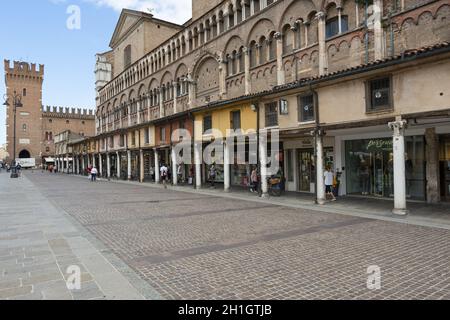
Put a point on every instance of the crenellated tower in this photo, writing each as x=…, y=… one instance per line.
x=24, y=79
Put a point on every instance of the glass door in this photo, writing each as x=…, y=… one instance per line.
x=306, y=170
x=378, y=173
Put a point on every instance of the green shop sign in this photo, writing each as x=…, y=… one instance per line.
x=380, y=145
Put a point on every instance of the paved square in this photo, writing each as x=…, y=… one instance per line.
x=194, y=246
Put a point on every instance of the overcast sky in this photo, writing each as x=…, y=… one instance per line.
x=36, y=31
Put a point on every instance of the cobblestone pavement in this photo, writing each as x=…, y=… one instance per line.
x=195, y=246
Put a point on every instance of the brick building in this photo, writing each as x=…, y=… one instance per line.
x=369, y=82
x=36, y=125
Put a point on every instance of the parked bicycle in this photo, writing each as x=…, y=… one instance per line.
x=275, y=186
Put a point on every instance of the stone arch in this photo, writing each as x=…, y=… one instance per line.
x=206, y=74
x=234, y=43
x=262, y=27
x=295, y=11
x=166, y=78
x=181, y=71
x=24, y=154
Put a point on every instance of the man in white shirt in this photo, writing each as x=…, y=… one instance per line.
x=329, y=177
x=94, y=173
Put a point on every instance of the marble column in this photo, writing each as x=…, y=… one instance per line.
x=398, y=127
x=320, y=182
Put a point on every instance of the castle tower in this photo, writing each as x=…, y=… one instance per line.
x=24, y=79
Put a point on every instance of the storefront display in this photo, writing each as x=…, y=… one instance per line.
x=370, y=167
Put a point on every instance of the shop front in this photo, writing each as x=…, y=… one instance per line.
x=123, y=158
x=299, y=163
x=369, y=166
x=444, y=167
x=135, y=165
x=149, y=166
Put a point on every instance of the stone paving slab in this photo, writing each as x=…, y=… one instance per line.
x=202, y=245
x=38, y=242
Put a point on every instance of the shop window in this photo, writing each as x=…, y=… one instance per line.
x=133, y=138
x=306, y=108
x=332, y=26
x=290, y=165
x=207, y=123
x=236, y=120
x=147, y=136
x=163, y=135
x=379, y=94
x=271, y=114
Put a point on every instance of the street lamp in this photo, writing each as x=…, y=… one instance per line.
x=16, y=103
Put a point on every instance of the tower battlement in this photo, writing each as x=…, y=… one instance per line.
x=23, y=69
x=65, y=112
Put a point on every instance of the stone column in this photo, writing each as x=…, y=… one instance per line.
x=157, y=172
x=191, y=90
x=244, y=16
x=320, y=182
x=118, y=165
x=432, y=169
x=141, y=165
x=252, y=7
x=129, y=114
x=398, y=127
x=100, y=165
x=161, y=103
x=222, y=78
x=108, y=165
x=306, y=25
x=129, y=165
x=83, y=165
x=263, y=164
x=175, y=107
x=248, y=81
x=323, y=66
x=378, y=30
x=226, y=165
x=73, y=164
x=139, y=112
x=174, y=167
x=280, y=71
x=198, y=165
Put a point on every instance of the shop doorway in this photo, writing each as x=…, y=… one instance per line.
x=307, y=171
x=444, y=156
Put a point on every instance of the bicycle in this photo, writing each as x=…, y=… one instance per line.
x=275, y=187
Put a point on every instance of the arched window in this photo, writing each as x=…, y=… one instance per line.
x=24, y=127
x=24, y=93
x=252, y=53
x=262, y=50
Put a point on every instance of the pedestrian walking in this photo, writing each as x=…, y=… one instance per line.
x=329, y=178
x=180, y=174
x=164, y=172
x=212, y=175
x=254, y=180
x=94, y=173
